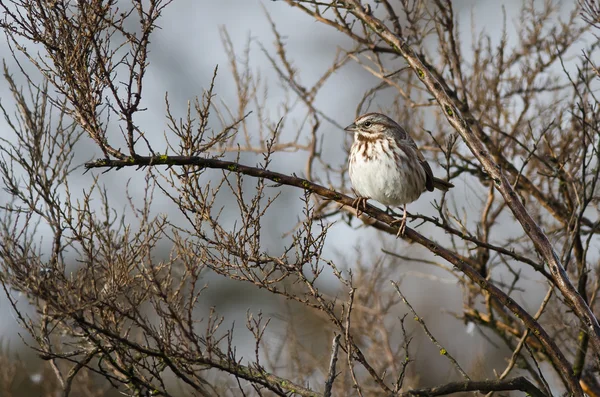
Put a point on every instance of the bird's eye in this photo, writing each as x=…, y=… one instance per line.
x=367, y=124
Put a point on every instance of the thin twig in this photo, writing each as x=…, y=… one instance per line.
x=443, y=351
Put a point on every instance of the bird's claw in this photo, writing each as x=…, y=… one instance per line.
x=402, y=228
x=357, y=203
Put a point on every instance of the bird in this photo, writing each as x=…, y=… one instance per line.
x=386, y=165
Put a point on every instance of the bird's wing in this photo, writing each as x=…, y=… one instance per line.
x=428, y=172
x=424, y=163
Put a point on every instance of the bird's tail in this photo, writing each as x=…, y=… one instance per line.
x=441, y=184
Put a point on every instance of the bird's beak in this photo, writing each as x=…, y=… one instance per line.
x=350, y=128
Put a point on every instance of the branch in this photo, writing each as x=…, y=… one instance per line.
x=519, y=383
x=274, y=383
x=382, y=221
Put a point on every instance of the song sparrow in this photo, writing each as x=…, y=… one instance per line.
x=386, y=165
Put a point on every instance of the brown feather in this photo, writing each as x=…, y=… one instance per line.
x=441, y=184
x=428, y=174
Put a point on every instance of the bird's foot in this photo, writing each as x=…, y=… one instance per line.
x=402, y=221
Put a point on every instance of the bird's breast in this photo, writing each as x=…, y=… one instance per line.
x=382, y=171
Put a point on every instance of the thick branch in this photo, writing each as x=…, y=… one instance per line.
x=519, y=383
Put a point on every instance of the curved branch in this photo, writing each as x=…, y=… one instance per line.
x=382, y=222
